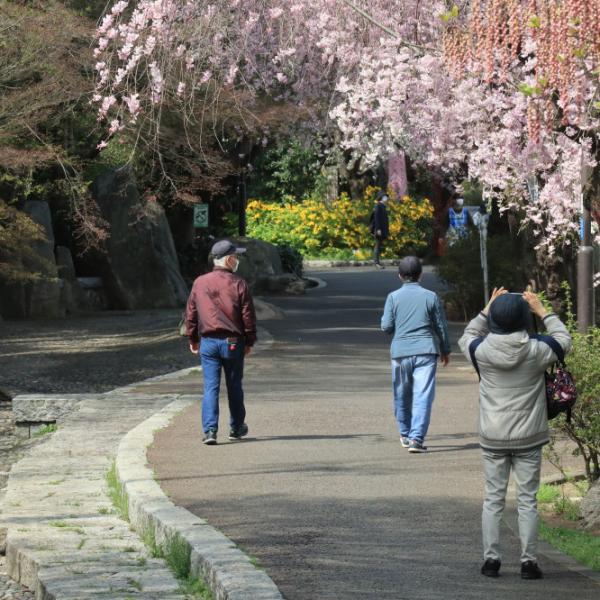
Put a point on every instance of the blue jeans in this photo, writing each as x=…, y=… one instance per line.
x=413, y=381
x=214, y=354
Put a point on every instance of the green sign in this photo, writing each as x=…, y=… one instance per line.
x=200, y=215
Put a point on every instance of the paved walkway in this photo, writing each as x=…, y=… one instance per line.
x=322, y=494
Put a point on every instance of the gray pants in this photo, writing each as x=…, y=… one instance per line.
x=526, y=466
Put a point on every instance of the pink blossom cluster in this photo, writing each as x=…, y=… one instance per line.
x=485, y=89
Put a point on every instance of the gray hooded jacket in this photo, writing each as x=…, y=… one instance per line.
x=512, y=395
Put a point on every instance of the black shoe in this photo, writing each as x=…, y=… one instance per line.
x=210, y=437
x=239, y=433
x=530, y=570
x=491, y=568
x=416, y=447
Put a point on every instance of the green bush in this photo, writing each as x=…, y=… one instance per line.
x=317, y=229
x=461, y=268
x=584, y=363
x=289, y=170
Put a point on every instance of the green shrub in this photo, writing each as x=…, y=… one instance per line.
x=547, y=493
x=318, y=229
x=584, y=363
x=289, y=170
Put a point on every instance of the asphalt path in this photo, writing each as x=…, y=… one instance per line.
x=321, y=493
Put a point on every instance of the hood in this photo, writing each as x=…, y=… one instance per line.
x=506, y=351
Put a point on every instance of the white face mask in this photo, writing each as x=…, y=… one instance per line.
x=235, y=266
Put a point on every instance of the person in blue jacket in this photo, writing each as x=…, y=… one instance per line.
x=416, y=319
x=379, y=226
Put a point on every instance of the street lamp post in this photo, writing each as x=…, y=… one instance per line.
x=481, y=219
x=585, y=270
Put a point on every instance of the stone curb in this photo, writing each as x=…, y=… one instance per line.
x=319, y=264
x=226, y=569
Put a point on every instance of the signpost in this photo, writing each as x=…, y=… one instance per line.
x=200, y=216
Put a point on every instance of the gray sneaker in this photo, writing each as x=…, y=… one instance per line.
x=404, y=441
x=239, y=433
x=416, y=447
x=210, y=437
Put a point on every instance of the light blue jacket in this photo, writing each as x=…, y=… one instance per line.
x=413, y=314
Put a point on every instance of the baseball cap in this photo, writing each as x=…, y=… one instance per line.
x=225, y=248
x=410, y=266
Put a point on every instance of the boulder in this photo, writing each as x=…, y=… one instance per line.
x=590, y=507
x=41, y=298
x=140, y=268
x=72, y=296
x=261, y=267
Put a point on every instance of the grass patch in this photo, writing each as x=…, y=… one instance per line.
x=177, y=555
x=135, y=583
x=582, y=546
x=103, y=510
x=67, y=527
x=197, y=588
x=547, y=493
x=116, y=492
x=176, y=551
x=567, y=508
x=50, y=428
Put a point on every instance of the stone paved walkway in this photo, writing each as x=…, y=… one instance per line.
x=63, y=534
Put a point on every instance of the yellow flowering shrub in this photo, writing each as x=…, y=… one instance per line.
x=318, y=229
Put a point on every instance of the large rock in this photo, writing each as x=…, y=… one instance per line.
x=590, y=507
x=261, y=267
x=41, y=298
x=140, y=268
x=72, y=296
x=260, y=262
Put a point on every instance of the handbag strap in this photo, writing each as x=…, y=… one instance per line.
x=554, y=345
x=472, y=347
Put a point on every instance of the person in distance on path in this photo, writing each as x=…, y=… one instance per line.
x=513, y=420
x=379, y=226
x=221, y=326
x=415, y=317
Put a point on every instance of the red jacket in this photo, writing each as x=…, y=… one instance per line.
x=220, y=305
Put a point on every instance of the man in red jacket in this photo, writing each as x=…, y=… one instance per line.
x=221, y=326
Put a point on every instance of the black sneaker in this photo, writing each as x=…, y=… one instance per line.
x=210, y=437
x=491, y=568
x=530, y=570
x=404, y=441
x=415, y=447
x=239, y=433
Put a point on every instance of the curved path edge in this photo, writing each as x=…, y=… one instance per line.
x=226, y=569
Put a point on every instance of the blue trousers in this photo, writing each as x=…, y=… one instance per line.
x=413, y=382
x=215, y=354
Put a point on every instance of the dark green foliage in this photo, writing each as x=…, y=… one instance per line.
x=287, y=171
x=291, y=259
x=584, y=363
x=461, y=268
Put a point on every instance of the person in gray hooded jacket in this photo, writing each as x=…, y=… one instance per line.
x=513, y=422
